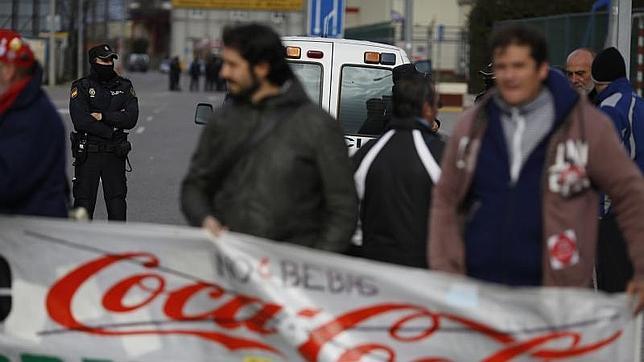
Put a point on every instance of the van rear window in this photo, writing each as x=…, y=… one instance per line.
x=365, y=99
x=310, y=75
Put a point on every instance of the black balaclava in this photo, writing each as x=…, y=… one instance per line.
x=103, y=72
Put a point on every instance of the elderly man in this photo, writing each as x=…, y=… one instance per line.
x=578, y=67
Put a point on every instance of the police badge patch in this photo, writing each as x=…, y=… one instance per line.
x=74, y=92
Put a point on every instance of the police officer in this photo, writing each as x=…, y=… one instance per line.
x=102, y=105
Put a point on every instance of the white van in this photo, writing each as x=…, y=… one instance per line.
x=351, y=79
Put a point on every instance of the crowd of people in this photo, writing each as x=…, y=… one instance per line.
x=209, y=69
x=540, y=183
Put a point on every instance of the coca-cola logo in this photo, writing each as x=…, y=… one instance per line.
x=229, y=315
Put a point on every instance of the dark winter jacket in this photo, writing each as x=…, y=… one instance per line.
x=626, y=109
x=32, y=155
x=394, y=176
x=295, y=185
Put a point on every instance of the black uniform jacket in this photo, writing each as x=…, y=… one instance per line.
x=397, y=191
x=115, y=99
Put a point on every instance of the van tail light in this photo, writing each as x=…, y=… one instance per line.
x=315, y=54
x=293, y=52
x=371, y=57
x=388, y=59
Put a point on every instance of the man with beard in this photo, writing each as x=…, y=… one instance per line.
x=270, y=162
x=578, y=71
x=102, y=105
x=32, y=137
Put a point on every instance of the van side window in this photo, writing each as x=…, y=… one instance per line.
x=365, y=99
x=310, y=75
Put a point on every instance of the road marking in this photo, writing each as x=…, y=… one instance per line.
x=140, y=130
x=63, y=110
x=150, y=118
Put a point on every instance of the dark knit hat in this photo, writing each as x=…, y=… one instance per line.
x=608, y=66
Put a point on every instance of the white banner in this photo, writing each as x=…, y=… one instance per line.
x=139, y=292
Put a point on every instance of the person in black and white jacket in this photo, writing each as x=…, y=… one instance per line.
x=395, y=174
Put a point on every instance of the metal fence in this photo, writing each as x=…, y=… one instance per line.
x=447, y=48
x=568, y=32
x=565, y=33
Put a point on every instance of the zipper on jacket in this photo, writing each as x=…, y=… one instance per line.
x=517, y=140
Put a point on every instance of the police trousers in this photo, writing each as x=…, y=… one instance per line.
x=110, y=169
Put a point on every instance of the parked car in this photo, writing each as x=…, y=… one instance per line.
x=138, y=62
x=164, y=66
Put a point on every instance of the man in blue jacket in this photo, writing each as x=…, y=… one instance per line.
x=616, y=98
x=32, y=137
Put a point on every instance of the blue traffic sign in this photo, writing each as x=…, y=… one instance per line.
x=326, y=18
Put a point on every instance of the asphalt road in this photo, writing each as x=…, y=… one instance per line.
x=163, y=141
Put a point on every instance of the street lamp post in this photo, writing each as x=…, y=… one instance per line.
x=81, y=40
x=409, y=26
x=52, y=43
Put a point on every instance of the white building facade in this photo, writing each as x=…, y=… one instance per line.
x=198, y=31
x=439, y=27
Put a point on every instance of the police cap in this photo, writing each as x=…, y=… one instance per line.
x=102, y=51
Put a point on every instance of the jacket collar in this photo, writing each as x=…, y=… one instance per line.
x=408, y=123
x=93, y=76
x=620, y=85
x=564, y=95
x=291, y=93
